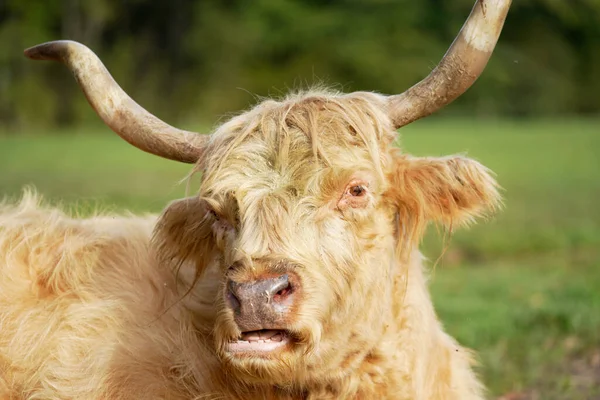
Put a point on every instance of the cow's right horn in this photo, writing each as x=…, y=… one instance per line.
x=119, y=111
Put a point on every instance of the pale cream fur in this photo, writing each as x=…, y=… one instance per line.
x=128, y=307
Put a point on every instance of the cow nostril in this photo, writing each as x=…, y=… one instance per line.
x=283, y=292
x=232, y=299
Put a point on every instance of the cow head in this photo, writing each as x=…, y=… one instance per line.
x=306, y=209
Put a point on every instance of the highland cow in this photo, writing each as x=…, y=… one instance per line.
x=294, y=273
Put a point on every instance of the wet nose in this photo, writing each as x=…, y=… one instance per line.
x=260, y=304
x=256, y=293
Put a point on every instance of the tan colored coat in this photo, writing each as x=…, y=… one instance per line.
x=98, y=308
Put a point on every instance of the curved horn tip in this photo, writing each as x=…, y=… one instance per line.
x=50, y=50
x=482, y=31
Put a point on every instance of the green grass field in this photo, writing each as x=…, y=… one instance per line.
x=522, y=289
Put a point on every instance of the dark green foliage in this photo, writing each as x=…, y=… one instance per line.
x=192, y=61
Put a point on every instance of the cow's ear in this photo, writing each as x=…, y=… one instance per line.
x=184, y=233
x=450, y=190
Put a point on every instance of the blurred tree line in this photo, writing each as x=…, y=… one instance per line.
x=195, y=60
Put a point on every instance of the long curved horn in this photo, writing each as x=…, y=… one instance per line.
x=119, y=111
x=458, y=70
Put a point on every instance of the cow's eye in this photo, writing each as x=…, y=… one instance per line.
x=233, y=267
x=355, y=195
x=214, y=214
x=358, y=191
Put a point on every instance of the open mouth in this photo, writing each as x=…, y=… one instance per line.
x=262, y=341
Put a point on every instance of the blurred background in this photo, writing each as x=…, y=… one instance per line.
x=522, y=289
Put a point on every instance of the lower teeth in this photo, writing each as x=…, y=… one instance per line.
x=278, y=337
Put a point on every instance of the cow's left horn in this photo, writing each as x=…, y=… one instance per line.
x=458, y=70
x=119, y=111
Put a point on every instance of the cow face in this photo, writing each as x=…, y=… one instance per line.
x=307, y=211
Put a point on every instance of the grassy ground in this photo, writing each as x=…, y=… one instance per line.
x=521, y=289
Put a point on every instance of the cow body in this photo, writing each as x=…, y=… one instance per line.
x=87, y=312
x=292, y=273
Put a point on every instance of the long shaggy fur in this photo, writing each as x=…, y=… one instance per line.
x=127, y=307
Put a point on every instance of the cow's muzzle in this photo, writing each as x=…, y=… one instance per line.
x=261, y=310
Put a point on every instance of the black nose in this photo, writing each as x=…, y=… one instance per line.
x=260, y=304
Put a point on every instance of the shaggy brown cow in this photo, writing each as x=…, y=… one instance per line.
x=293, y=274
